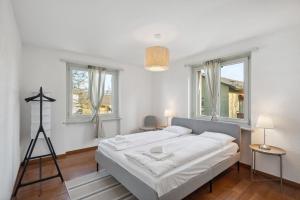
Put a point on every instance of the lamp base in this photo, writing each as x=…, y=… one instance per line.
x=264, y=147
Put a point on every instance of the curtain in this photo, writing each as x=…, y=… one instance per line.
x=96, y=93
x=212, y=71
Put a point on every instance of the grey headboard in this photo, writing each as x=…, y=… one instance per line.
x=199, y=126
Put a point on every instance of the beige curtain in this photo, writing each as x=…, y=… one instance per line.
x=212, y=70
x=96, y=93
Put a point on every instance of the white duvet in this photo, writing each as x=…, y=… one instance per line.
x=183, y=151
x=138, y=139
x=173, y=178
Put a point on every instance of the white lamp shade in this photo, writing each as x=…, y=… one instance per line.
x=157, y=58
x=168, y=113
x=264, y=122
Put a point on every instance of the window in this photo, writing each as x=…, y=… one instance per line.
x=233, y=94
x=79, y=106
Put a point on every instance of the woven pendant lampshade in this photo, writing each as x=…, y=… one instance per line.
x=157, y=58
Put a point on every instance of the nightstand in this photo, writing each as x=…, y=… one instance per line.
x=274, y=151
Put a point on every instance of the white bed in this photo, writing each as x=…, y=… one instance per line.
x=179, y=181
x=177, y=176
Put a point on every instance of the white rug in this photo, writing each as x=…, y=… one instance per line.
x=97, y=186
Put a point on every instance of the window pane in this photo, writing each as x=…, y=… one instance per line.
x=232, y=91
x=203, y=103
x=106, y=106
x=80, y=99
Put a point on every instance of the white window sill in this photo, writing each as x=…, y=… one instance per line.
x=243, y=124
x=246, y=127
x=87, y=121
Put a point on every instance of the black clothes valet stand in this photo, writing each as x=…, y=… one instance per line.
x=39, y=97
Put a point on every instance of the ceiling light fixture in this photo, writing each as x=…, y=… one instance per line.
x=157, y=57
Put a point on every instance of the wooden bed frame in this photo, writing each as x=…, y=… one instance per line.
x=142, y=191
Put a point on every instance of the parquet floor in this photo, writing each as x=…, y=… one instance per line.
x=230, y=185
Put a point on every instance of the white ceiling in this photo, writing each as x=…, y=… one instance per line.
x=121, y=29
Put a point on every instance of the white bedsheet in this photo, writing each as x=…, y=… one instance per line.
x=175, y=177
x=183, y=151
x=137, y=139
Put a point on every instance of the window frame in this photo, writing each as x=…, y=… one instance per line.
x=194, y=112
x=69, y=100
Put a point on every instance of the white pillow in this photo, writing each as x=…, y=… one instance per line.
x=180, y=130
x=223, y=138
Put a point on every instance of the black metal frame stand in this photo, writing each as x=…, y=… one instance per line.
x=28, y=155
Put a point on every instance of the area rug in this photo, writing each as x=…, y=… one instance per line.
x=97, y=186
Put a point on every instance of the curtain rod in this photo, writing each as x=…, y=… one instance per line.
x=77, y=62
x=224, y=56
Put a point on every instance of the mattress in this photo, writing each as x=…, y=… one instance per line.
x=175, y=177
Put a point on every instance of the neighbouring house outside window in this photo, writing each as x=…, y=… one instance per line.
x=233, y=96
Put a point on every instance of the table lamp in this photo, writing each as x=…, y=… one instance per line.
x=168, y=114
x=265, y=123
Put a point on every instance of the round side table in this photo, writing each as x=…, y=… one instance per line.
x=274, y=151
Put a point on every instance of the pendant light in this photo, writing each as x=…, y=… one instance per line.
x=157, y=57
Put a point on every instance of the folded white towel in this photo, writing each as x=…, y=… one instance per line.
x=158, y=156
x=157, y=149
x=120, y=137
x=118, y=142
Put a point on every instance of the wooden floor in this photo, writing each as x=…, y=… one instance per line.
x=230, y=185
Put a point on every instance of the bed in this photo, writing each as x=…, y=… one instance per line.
x=181, y=181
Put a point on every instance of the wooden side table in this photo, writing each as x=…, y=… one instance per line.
x=274, y=151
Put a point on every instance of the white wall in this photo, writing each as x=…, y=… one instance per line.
x=10, y=49
x=276, y=73
x=43, y=67
x=275, y=78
